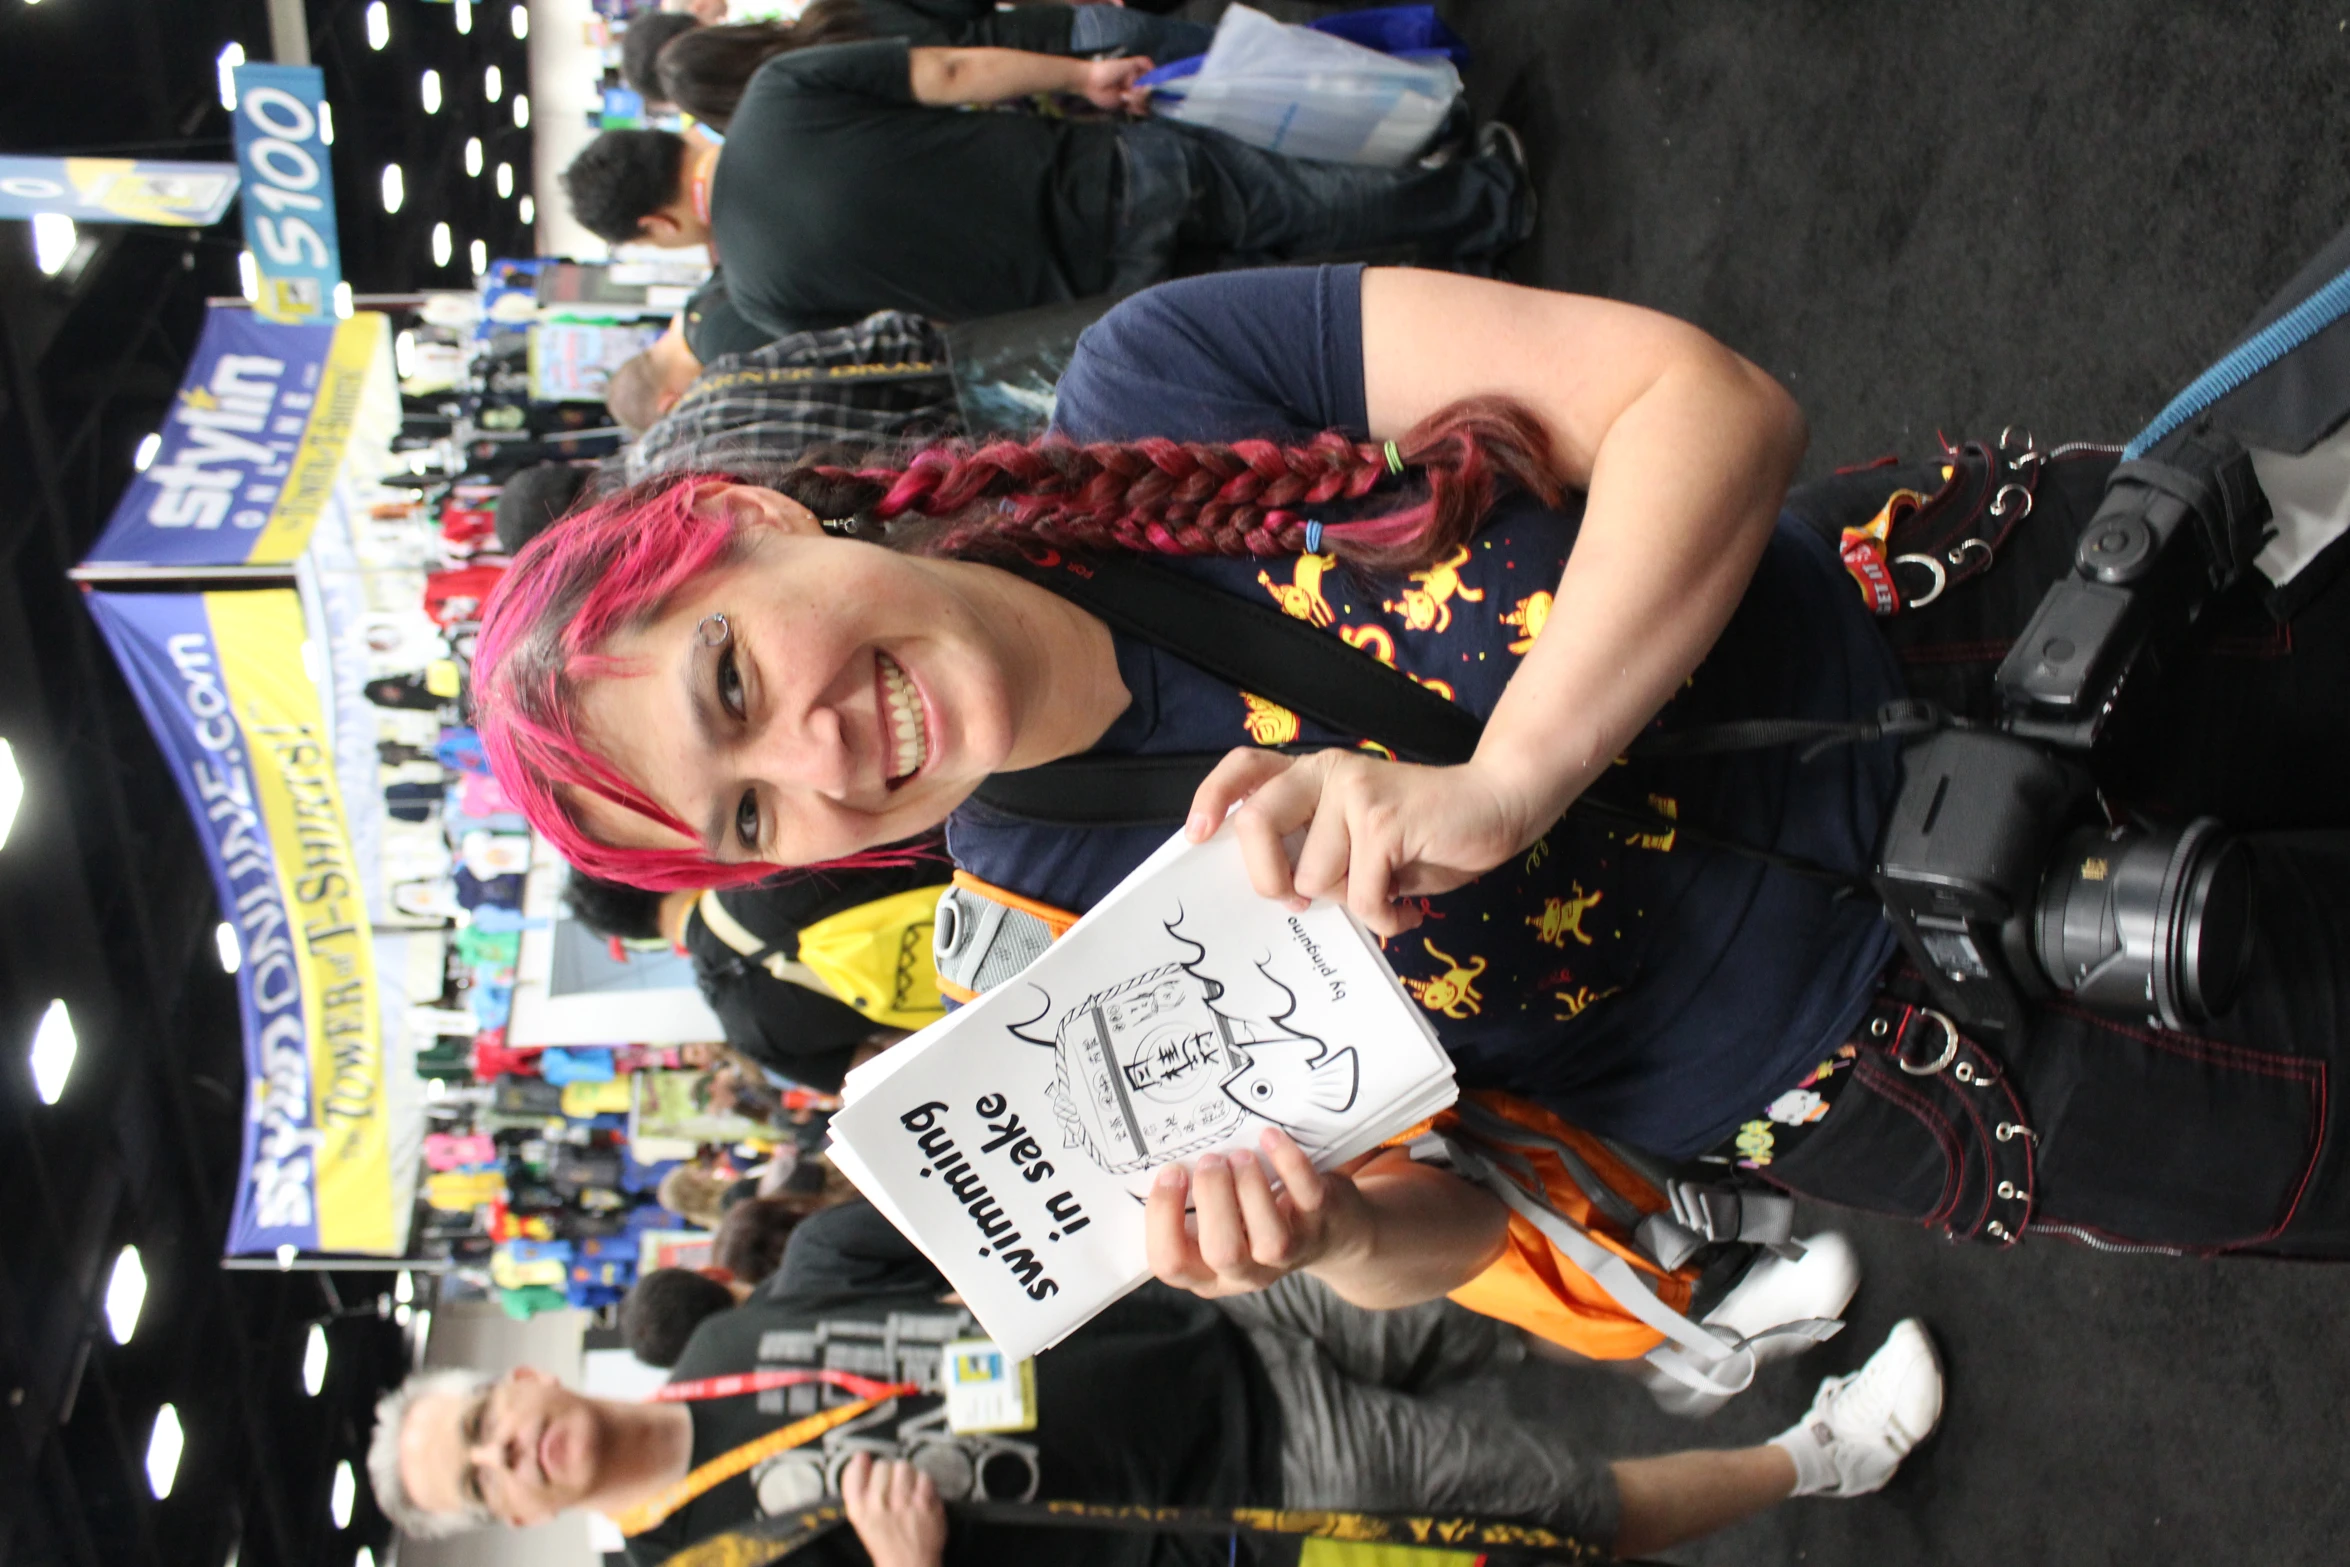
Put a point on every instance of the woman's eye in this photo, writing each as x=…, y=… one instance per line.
x=746, y=820
x=730, y=685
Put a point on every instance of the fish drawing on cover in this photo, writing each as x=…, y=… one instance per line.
x=1153, y=1069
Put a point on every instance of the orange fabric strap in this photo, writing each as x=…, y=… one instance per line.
x=719, y=1470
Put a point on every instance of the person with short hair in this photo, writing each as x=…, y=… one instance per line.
x=799, y=393
x=663, y=1307
x=848, y=185
x=1288, y=1398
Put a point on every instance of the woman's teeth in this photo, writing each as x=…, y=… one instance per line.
x=903, y=706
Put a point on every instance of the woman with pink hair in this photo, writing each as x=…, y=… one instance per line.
x=1560, y=513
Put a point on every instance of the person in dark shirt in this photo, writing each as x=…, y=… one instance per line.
x=704, y=70
x=1288, y=1398
x=712, y=327
x=847, y=185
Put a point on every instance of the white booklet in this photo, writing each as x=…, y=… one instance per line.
x=1015, y=1140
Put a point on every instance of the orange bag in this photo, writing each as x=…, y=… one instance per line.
x=1532, y=1286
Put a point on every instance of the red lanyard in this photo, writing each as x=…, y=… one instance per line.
x=742, y=1382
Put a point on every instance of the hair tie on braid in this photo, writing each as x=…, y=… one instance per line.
x=1394, y=460
x=1313, y=537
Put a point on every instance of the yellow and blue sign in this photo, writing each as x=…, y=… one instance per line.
x=289, y=201
x=220, y=678
x=251, y=446
x=117, y=190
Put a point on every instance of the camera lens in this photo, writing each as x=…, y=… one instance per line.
x=2153, y=924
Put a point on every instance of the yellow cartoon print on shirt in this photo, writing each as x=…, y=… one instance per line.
x=1563, y=917
x=1428, y=607
x=1268, y=723
x=1580, y=997
x=1531, y=615
x=1666, y=806
x=1301, y=596
x=1453, y=992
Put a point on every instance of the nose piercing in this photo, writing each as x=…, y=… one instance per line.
x=713, y=630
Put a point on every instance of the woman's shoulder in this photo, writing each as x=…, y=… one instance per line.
x=1272, y=352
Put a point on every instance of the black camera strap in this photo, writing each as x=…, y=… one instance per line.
x=1261, y=650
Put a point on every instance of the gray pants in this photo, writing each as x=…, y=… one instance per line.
x=1356, y=1434
x=1187, y=189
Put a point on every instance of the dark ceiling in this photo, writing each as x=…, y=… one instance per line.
x=104, y=898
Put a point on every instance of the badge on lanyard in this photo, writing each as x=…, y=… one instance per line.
x=986, y=1389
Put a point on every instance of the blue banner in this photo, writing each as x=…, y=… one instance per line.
x=117, y=190
x=251, y=447
x=220, y=679
x=289, y=190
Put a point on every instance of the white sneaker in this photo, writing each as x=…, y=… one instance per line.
x=1818, y=1284
x=1862, y=1426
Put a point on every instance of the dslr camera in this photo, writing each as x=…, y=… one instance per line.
x=1999, y=867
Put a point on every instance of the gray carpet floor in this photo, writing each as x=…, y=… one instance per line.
x=1953, y=218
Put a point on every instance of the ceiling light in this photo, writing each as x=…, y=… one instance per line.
x=346, y=1492
x=54, y=1048
x=248, y=275
x=149, y=444
x=232, y=956
x=404, y=355
x=53, y=241
x=528, y=211
x=344, y=303
x=226, y=62
x=440, y=244
x=401, y=1314
x=404, y=1288
x=465, y=16
x=379, y=24
x=479, y=254
x=365, y=1558
x=505, y=179
x=326, y=124
x=493, y=84
x=163, y=1452
x=521, y=110
x=126, y=1292
x=519, y=20
x=473, y=155
x=395, y=187
x=314, y=1361
x=12, y=781
x=429, y=90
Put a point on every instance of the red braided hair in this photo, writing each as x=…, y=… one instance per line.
x=619, y=562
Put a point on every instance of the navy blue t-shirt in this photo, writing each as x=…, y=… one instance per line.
x=1641, y=986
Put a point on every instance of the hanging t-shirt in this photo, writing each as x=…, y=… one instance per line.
x=1158, y=1399
x=838, y=195
x=1643, y=987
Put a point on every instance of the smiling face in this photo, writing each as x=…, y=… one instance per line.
x=521, y=1450
x=817, y=697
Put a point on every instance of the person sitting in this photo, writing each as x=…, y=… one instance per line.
x=703, y=70
x=1286, y=1398
x=956, y=216
x=1568, y=512
x=774, y=405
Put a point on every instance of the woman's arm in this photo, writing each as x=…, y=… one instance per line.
x=1685, y=451
x=1384, y=1232
x=945, y=77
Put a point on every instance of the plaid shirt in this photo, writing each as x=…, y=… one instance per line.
x=848, y=385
